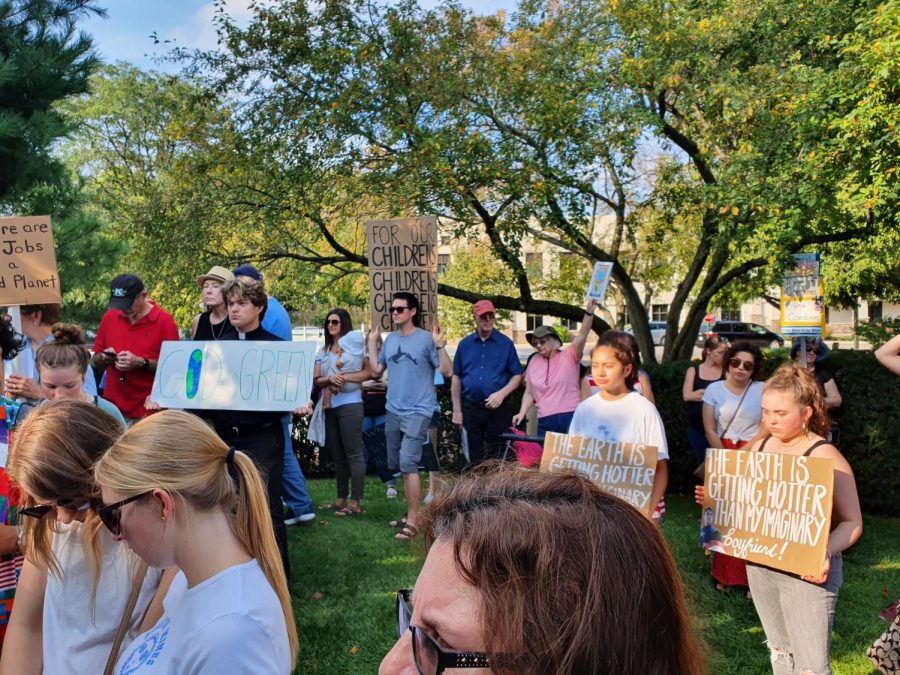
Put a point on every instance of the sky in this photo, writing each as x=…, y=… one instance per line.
x=125, y=34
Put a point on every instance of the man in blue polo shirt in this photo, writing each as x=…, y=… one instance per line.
x=486, y=369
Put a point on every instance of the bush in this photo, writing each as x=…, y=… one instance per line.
x=869, y=427
x=878, y=331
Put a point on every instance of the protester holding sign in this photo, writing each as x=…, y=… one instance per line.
x=542, y=573
x=553, y=377
x=259, y=434
x=732, y=413
x=341, y=371
x=182, y=498
x=77, y=579
x=797, y=612
x=411, y=355
x=617, y=413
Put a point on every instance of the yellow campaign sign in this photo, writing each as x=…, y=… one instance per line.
x=768, y=508
x=623, y=469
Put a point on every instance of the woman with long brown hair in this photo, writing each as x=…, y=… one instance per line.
x=542, y=573
x=696, y=379
x=76, y=581
x=180, y=497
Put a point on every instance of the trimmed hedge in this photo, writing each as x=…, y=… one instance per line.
x=869, y=427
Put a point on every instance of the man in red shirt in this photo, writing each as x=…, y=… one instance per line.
x=128, y=343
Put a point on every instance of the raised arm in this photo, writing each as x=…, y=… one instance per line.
x=581, y=339
x=376, y=368
x=888, y=354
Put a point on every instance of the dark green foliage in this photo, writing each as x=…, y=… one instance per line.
x=43, y=60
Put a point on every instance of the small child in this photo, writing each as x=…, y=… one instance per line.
x=350, y=357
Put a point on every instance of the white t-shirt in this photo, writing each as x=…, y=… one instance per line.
x=76, y=640
x=746, y=425
x=231, y=623
x=630, y=419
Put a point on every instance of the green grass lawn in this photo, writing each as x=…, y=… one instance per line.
x=346, y=571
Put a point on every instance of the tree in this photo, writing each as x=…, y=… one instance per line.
x=539, y=124
x=43, y=60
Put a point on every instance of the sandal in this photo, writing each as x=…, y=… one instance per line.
x=407, y=533
x=333, y=506
x=399, y=523
x=347, y=512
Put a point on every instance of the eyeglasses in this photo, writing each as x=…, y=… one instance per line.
x=111, y=515
x=398, y=310
x=746, y=365
x=429, y=657
x=41, y=510
x=333, y=322
x=812, y=349
x=487, y=316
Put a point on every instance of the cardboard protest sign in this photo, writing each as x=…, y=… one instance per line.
x=234, y=375
x=768, y=508
x=802, y=305
x=28, y=273
x=402, y=257
x=623, y=469
x=599, y=281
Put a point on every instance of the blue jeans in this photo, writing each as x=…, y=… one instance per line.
x=295, y=494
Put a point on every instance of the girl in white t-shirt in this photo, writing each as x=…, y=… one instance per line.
x=179, y=496
x=76, y=580
x=618, y=413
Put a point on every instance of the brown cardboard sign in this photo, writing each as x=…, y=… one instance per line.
x=28, y=273
x=402, y=257
x=623, y=469
x=768, y=508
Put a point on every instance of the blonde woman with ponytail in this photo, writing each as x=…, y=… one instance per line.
x=76, y=581
x=179, y=496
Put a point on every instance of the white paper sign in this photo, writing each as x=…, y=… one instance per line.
x=599, y=281
x=234, y=375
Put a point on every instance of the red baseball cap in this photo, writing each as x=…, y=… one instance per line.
x=483, y=307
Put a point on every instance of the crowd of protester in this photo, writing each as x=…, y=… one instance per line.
x=149, y=540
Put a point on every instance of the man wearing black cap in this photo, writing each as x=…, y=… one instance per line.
x=128, y=342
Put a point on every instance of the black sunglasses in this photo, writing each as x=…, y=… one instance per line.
x=41, y=510
x=398, y=310
x=812, y=348
x=111, y=515
x=334, y=322
x=429, y=657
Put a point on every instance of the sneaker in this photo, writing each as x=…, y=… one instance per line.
x=302, y=518
x=391, y=492
x=428, y=498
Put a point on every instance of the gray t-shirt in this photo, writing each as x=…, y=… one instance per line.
x=411, y=361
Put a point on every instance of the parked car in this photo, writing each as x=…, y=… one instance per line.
x=742, y=331
x=657, y=332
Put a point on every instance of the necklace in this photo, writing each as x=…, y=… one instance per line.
x=793, y=443
x=221, y=324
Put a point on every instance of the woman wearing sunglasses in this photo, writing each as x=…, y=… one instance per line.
x=553, y=377
x=343, y=409
x=77, y=582
x=732, y=414
x=533, y=572
x=178, y=496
